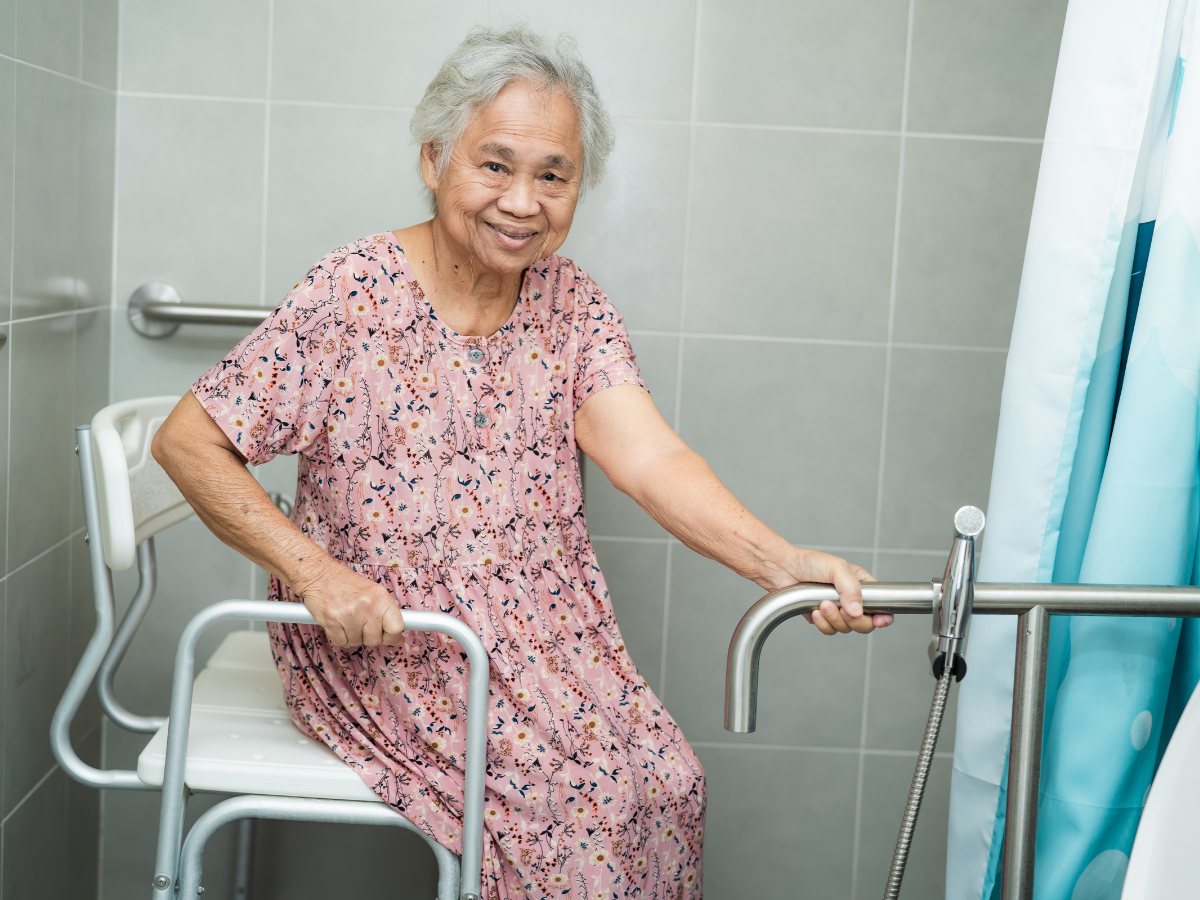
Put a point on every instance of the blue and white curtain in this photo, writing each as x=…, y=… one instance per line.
x=1096, y=474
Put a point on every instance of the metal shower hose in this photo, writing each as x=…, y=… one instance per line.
x=933, y=726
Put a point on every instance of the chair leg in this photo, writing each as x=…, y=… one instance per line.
x=302, y=810
x=244, y=869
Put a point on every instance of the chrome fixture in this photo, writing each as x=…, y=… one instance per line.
x=156, y=310
x=1032, y=604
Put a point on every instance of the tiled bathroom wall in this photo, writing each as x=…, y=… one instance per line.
x=814, y=225
x=58, y=74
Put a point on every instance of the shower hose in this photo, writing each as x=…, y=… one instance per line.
x=933, y=725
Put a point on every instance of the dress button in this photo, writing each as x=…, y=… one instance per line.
x=481, y=419
x=476, y=355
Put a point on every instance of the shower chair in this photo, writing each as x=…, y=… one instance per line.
x=233, y=734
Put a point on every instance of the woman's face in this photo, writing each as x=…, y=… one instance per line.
x=508, y=195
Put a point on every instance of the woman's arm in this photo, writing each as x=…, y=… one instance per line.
x=212, y=475
x=622, y=432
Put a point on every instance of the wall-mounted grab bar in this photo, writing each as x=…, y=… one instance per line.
x=1033, y=604
x=156, y=310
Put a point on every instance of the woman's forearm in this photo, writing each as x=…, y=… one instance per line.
x=214, y=479
x=683, y=494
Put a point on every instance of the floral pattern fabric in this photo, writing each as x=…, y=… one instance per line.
x=445, y=468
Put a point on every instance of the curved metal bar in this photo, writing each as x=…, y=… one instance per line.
x=349, y=812
x=113, y=708
x=171, y=812
x=93, y=655
x=741, y=673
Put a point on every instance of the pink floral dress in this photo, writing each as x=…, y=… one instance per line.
x=445, y=468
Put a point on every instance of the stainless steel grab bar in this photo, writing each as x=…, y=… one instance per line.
x=1033, y=604
x=156, y=310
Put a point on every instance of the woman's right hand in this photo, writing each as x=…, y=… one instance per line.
x=353, y=610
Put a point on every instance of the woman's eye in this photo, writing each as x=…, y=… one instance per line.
x=494, y=167
x=550, y=176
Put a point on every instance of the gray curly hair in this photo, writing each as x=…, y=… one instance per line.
x=486, y=62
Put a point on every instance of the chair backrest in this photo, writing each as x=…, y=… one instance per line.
x=137, y=498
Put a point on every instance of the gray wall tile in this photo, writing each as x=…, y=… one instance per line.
x=38, y=618
x=83, y=826
x=615, y=40
x=375, y=52
x=963, y=232
x=628, y=235
x=191, y=198
x=131, y=831
x=379, y=854
x=886, y=780
x=34, y=844
x=145, y=368
x=5, y=449
x=8, y=22
x=8, y=129
x=608, y=510
x=101, y=21
x=780, y=823
x=47, y=34
x=636, y=574
x=43, y=376
x=195, y=571
x=901, y=688
x=310, y=155
x=825, y=64
x=46, y=207
x=942, y=413
x=797, y=702
x=792, y=429
x=3, y=717
x=216, y=48
x=97, y=168
x=806, y=252
x=984, y=68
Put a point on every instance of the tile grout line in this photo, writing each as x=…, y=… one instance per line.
x=837, y=342
x=33, y=790
x=27, y=64
x=266, y=165
x=824, y=548
x=887, y=374
x=57, y=315
x=804, y=748
x=666, y=622
x=29, y=562
x=687, y=220
x=860, y=777
x=687, y=216
x=11, y=344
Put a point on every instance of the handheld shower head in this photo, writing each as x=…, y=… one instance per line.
x=952, y=598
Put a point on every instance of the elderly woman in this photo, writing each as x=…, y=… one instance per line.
x=436, y=383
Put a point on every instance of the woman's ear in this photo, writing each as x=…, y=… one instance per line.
x=429, y=160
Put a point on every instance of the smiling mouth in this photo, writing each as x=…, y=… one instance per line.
x=511, y=233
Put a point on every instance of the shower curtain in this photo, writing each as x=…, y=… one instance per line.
x=1096, y=470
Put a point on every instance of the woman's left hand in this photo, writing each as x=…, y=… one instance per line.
x=823, y=568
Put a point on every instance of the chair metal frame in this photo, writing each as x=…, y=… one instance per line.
x=178, y=860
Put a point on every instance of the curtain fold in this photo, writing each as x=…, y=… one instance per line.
x=1096, y=474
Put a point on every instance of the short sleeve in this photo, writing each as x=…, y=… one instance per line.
x=271, y=394
x=605, y=357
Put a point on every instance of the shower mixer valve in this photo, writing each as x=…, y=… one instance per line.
x=952, y=598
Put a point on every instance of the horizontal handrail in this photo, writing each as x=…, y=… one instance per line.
x=156, y=310
x=1031, y=603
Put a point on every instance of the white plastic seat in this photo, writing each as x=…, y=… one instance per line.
x=1162, y=865
x=241, y=740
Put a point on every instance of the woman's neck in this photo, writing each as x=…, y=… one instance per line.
x=468, y=299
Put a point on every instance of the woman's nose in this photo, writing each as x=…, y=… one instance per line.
x=519, y=199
